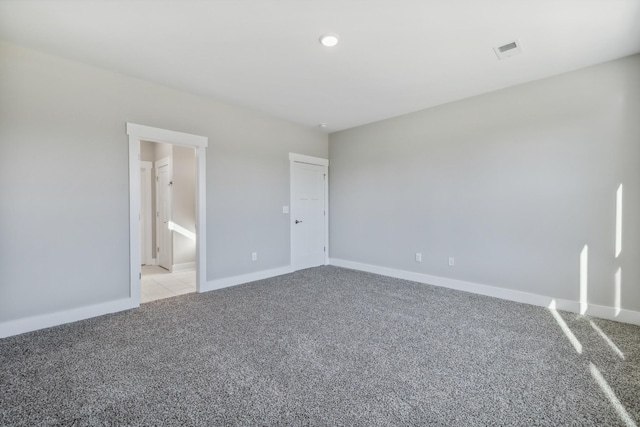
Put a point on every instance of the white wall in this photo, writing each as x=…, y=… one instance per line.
x=512, y=184
x=147, y=151
x=64, y=215
x=184, y=203
x=162, y=150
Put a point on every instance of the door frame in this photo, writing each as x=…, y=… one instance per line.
x=139, y=133
x=146, y=215
x=319, y=161
x=168, y=161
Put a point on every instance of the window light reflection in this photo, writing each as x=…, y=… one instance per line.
x=584, y=278
x=606, y=389
x=565, y=328
x=606, y=338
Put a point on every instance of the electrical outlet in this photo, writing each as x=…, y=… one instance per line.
x=452, y=261
x=254, y=256
x=418, y=257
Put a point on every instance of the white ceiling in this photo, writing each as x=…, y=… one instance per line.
x=394, y=56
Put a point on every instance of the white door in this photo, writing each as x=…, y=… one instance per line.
x=146, y=240
x=307, y=215
x=164, y=238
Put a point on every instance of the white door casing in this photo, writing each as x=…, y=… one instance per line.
x=164, y=236
x=309, y=211
x=137, y=133
x=146, y=236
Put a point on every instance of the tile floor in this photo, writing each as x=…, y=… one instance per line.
x=158, y=283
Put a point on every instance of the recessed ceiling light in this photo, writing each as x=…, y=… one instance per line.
x=329, y=39
x=322, y=125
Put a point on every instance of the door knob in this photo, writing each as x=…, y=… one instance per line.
x=298, y=221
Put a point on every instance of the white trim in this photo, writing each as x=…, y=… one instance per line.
x=301, y=158
x=201, y=217
x=626, y=316
x=146, y=254
x=326, y=214
x=148, y=133
x=139, y=133
x=135, y=260
x=183, y=267
x=245, y=278
x=33, y=323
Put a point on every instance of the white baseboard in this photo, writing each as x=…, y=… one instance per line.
x=183, y=267
x=33, y=323
x=626, y=316
x=28, y=324
x=244, y=278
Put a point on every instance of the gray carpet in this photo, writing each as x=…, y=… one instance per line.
x=323, y=346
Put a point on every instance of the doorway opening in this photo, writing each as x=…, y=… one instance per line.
x=167, y=212
x=168, y=252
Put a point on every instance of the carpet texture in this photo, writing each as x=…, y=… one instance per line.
x=324, y=346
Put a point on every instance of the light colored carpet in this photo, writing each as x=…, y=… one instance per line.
x=324, y=346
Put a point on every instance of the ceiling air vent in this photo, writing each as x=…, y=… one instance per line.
x=507, y=50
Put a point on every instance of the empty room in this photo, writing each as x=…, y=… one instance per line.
x=285, y=212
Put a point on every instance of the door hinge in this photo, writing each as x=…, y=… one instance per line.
x=140, y=276
x=324, y=249
x=156, y=179
x=158, y=249
x=139, y=157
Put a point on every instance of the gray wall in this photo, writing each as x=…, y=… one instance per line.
x=512, y=184
x=64, y=185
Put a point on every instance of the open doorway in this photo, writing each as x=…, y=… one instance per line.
x=179, y=161
x=168, y=209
